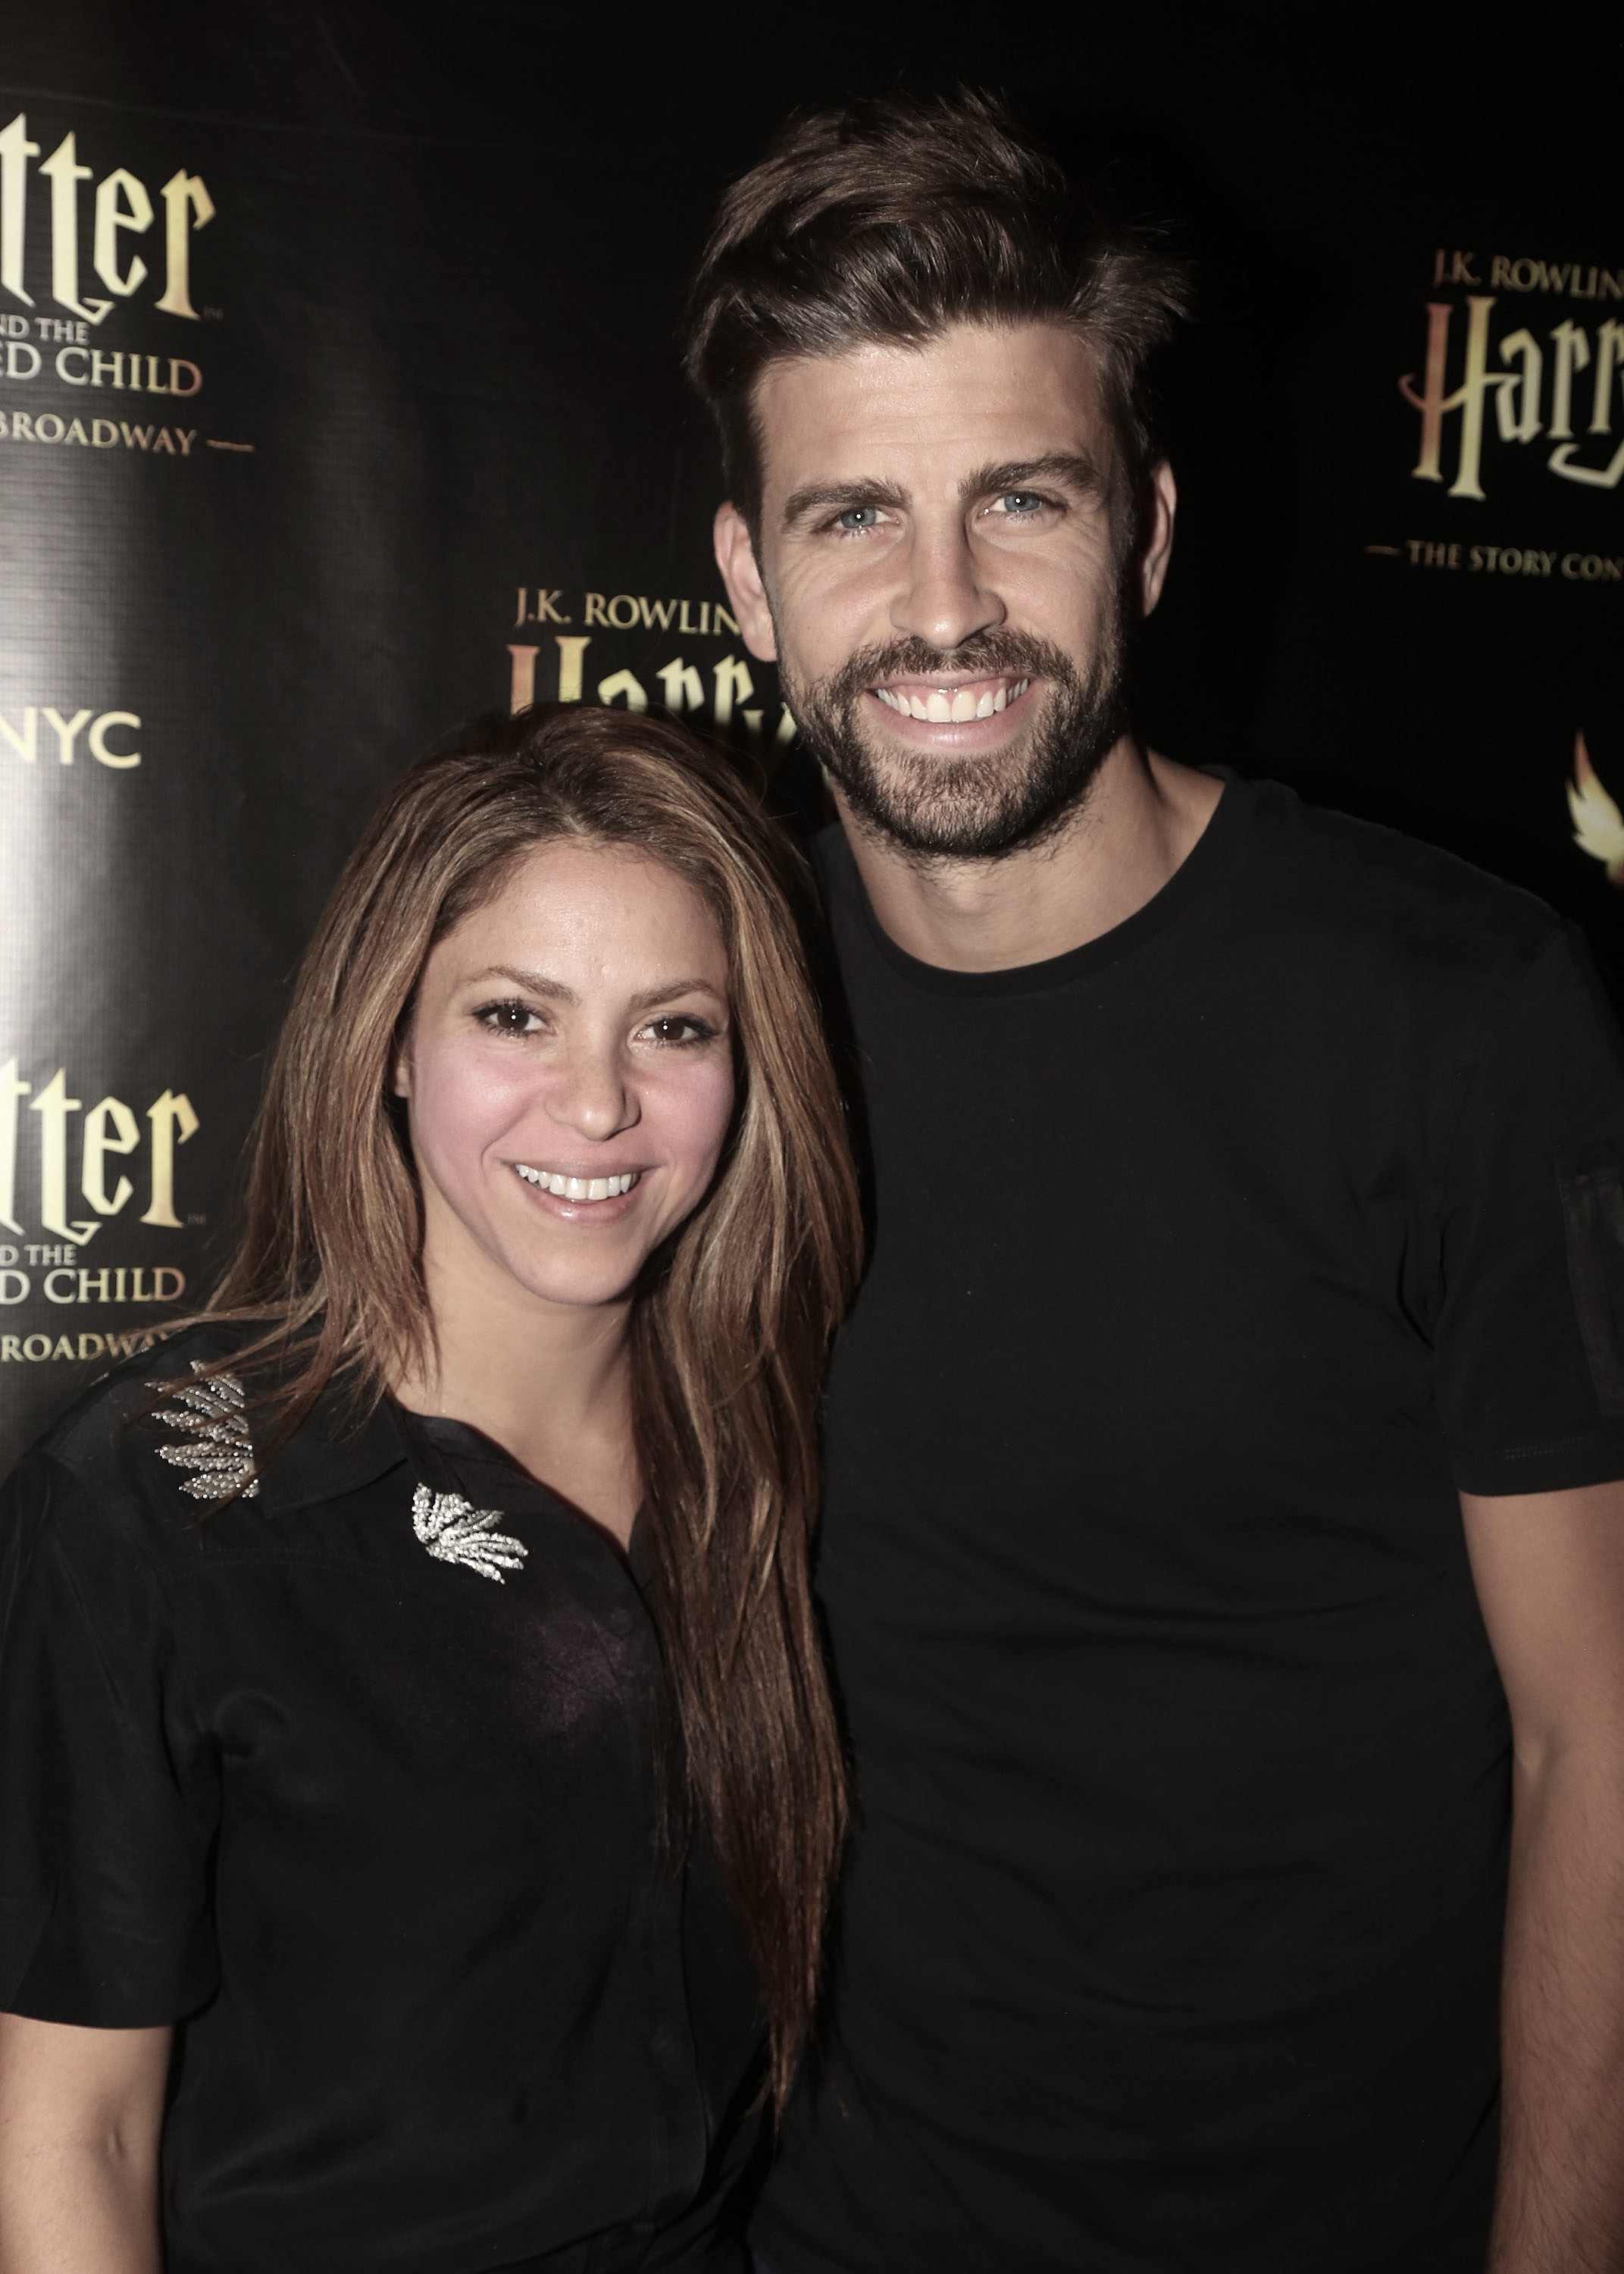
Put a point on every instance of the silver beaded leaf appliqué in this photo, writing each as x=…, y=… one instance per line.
x=453, y=1529
x=220, y=1447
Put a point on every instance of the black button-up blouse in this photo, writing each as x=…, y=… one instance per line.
x=356, y=1780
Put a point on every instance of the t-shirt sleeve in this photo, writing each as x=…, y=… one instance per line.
x=108, y=1798
x=1530, y=1337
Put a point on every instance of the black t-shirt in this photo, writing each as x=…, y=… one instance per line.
x=356, y=1779
x=1212, y=1259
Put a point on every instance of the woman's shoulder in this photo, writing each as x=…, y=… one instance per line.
x=175, y=1405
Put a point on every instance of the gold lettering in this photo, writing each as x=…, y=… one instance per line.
x=66, y=730
x=187, y=206
x=733, y=683
x=522, y=680
x=623, y=683
x=53, y=1105
x=122, y=202
x=11, y=1090
x=683, y=689
x=172, y=1121
x=1434, y=404
x=97, y=736
x=64, y=172
x=572, y=646
x=26, y=743
x=99, y=1144
x=15, y=152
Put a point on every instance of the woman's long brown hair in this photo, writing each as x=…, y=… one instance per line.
x=732, y=1321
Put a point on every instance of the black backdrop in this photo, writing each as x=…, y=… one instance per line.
x=339, y=402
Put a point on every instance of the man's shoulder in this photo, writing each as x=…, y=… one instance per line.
x=1366, y=889
x=1304, y=878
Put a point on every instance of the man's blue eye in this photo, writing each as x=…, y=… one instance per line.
x=1020, y=502
x=860, y=516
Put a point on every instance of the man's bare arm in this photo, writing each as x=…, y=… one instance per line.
x=80, y=2113
x=1549, y=1569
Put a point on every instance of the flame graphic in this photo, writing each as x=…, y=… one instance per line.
x=1599, y=825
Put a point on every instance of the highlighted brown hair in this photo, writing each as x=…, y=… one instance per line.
x=732, y=1321
x=886, y=220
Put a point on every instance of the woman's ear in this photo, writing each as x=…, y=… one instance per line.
x=401, y=1084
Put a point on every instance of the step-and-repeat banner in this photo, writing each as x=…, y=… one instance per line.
x=314, y=441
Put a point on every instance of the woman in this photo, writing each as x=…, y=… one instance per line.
x=420, y=1789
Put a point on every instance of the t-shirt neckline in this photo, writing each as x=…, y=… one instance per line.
x=1206, y=860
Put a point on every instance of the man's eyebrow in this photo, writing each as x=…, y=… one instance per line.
x=807, y=499
x=1072, y=469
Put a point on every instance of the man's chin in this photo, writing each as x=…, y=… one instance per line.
x=944, y=805
x=971, y=789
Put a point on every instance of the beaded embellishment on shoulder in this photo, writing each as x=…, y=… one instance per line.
x=456, y=1532
x=220, y=1449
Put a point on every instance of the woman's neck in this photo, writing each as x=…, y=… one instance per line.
x=551, y=1383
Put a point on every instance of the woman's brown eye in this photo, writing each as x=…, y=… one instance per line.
x=505, y=1017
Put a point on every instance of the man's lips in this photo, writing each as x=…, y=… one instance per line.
x=951, y=701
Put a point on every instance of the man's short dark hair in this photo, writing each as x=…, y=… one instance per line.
x=889, y=219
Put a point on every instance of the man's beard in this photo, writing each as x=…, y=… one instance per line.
x=980, y=806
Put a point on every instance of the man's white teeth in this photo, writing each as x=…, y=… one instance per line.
x=945, y=709
x=577, y=1188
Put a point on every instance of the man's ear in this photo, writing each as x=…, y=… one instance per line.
x=1161, y=505
x=747, y=595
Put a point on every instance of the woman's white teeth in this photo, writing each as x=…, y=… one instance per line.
x=577, y=1188
x=945, y=709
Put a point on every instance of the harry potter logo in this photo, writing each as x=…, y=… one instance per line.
x=1538, y=393
x=108, y=1128
x=123, y=208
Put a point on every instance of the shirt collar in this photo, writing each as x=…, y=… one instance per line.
x=337, y=1451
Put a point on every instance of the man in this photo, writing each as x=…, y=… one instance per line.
x=1224, y=1554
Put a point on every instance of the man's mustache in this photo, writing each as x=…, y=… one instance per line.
x=983, y=654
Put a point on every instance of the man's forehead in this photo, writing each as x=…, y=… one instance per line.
x=971, y=395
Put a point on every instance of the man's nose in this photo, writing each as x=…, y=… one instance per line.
x=942, y=600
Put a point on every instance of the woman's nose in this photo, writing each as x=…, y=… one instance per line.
x=595, y=1096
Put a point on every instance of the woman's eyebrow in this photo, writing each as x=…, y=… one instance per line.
x=534, y=983
x=554, y=990
x=667, y=992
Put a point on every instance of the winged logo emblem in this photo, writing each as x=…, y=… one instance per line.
x=217, y=1444
x=1599, y=826
x=456, y=1532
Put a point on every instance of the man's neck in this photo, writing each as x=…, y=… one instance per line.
x=1141, y=818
